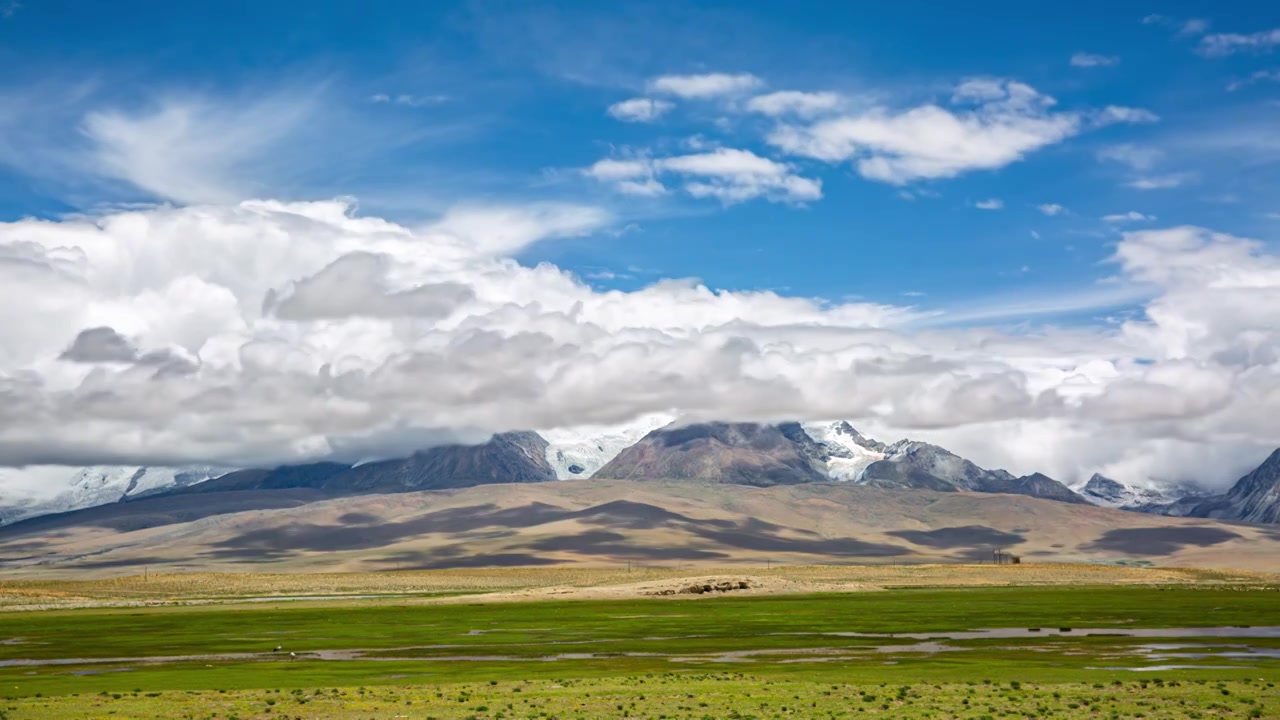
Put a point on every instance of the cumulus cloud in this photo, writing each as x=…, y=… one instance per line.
x=792, y=102
x=991, y=204
x=1051, y=209
x=1223, y=44
x=708, y=85
x=992, y=122
x=312, y=332
x=100, y=344
x=1091, y=60
x=727, y=174
x=355, y=285
x=640, y=110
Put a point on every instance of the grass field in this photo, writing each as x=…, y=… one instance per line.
x=895, y=653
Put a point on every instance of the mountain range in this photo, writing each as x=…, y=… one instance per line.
x=750, y=454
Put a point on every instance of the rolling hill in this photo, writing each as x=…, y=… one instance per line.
x=609, y=522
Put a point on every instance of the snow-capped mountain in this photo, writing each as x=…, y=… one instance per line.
x=102, y=484
x=1255, y=498
x=580, y=451
x=921, y=459
x=1102, y=490
x=849, y=452
x=905, y=463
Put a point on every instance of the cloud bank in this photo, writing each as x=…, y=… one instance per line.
x=266, y=332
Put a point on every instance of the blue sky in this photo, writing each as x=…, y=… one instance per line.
x=416, y=109
x=242, y=234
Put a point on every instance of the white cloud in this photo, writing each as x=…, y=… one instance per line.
x=992, y=204
x=611, y=169
x=1194, y=26
x=640, y=110
x=728, y=174
x=498, y=229
x=1051, y=209
x=1186, y=28
x=701, y=87
x=1256, y=77
x=409, y=100
x=1159, y=182
x=648, y=187
x=192, y=150
x=1089, y=60
x=1222, y=44
x=268, y=332
x=1118, y=114
x=1131, y=216
x=995, y=122
x=791, y=102
x=1135, y=156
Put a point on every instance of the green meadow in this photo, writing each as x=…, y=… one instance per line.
x=832, y=655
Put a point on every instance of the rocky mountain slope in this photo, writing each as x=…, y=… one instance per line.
x=1255, y=498
x=736, y=453
x=1102, y=490
x=652, y=449
x=785, y=454
x=518, y=457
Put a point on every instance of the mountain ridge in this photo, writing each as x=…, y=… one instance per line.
x=752, y=454
x=1254, y=498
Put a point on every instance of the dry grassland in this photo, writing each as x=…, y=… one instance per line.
x=513, y=584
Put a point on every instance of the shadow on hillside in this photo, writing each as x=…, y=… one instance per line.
x=480, y=522
x=159, y=511
x=438, y=560
x=1158, y=540
x=968, y=536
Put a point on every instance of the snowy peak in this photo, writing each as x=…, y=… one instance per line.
x=924, y=459
x=104, y=484
x=1102, y=490
x=1254, y=498
x=849, y=452
x=844, y=434
x=1105, y=491
x=578, y=452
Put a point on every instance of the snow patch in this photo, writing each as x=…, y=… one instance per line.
x=578, y=452
x=849, y=451
x=105, y=484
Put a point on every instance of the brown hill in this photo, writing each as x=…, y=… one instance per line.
x=738, y=453
x=600, y=522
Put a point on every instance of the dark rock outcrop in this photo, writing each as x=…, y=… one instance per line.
x=737, y=453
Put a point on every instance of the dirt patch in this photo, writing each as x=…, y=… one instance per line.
x=723, y=586
x=676, y=587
